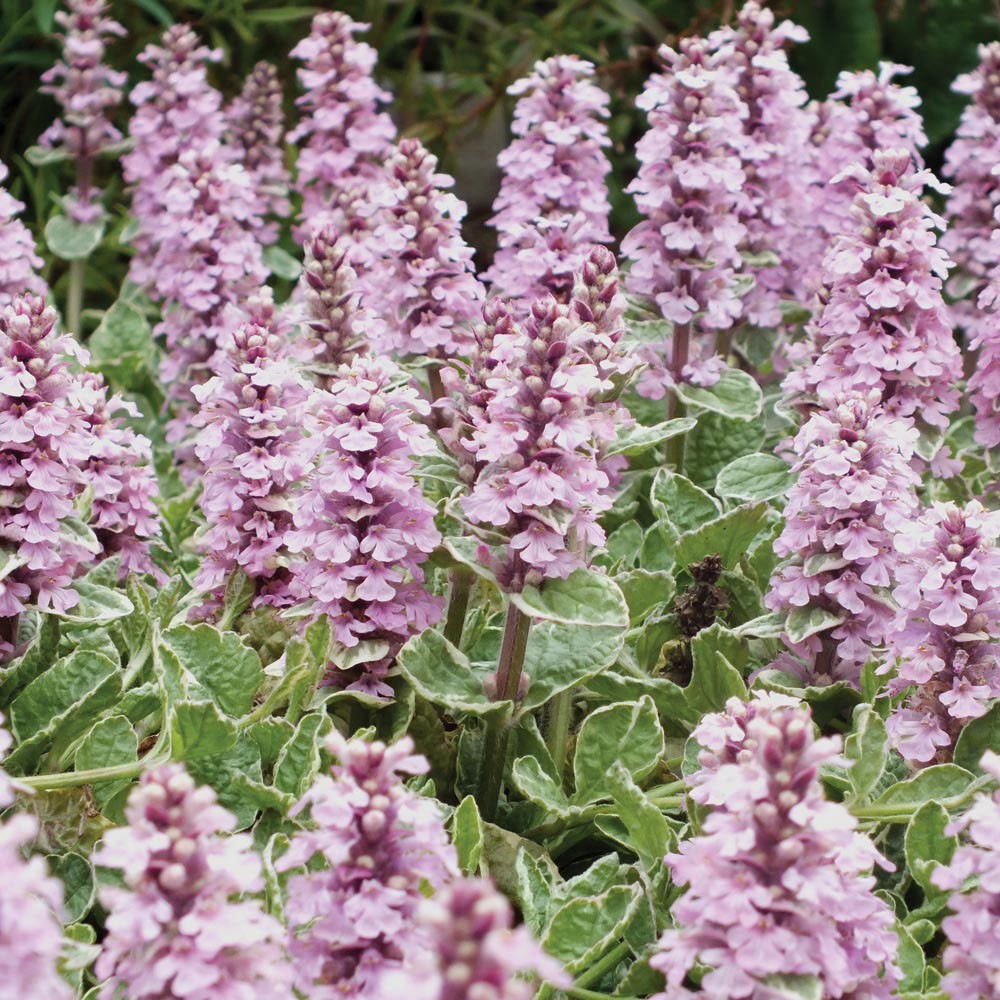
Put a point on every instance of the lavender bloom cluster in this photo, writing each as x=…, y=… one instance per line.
x=251, y=441
x=19, y=259
x=945, y=639
x=537, y=432
x=884, y=325
x=87, y=91
x=420, y=281
x=972, y=959
x=362, y=528
x=174, y=929
x=62, y=434
x=690, y=189
x=855, y=489
x=31, y=907
x=344, y=134
x=553, y=201
x=778, y=881
x=354, y=920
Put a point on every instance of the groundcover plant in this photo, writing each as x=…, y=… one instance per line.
x=603, y=621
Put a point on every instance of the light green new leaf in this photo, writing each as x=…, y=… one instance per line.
x=754, y=477
x=72, y=240
x=736, y=395
x=586, y=597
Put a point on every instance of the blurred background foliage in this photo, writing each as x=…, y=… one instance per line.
x=449, y=63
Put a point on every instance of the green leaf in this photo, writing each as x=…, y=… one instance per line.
x=79, y=887
x=717, y=655
x=793, y=987
x=976, y=738
x=560, y=656
x=754, y=477
x=300, y=759
x=649, y=833
x=644, y=589
x=123, y=333
x=728, y=536
x=198, y=729
x=533, y=890
x=736, y=395
x=926, y=844
x=941, y=781
x=235, y=773
x=683, y=505
x=537, y=786
x=912, y=961
x=281, y=263
x=112, y=741
x=467, y=835
x=581, y=930
x=868, y=750
x=635, y=439
x=41, y=156
x=442, y=674
x=97, y=605
x=715, y=442
x=221, y=663
x=807, y=621
x=586, y=597
x=62, y=687
x=629, y=734
x=72, y=240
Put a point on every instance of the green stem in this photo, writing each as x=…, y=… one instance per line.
x=557, y=731
x=601, y=968
x=580, y=994
x=74, y=297
x=902, y=814
x=512, y=649
x=73, y=779
x=675, y=406
x=135, y=665
x=462, y=581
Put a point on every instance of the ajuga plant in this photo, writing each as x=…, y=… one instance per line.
x=362, y=528
x=855, y=489
x=337, y=328
x=690, y=189
x=383, y=616
x=256, y=124
x=343, y=131
x=19, y=260
x=970, y=956
x=553, y=201
x=884, y=325
x=420, y=282
x=31, y=906
x=774, y=152
x=971, y=161
x=177, y=928
x=256, y=455
x=372, y=850
x=62, y=439
x=778, y=879
x=945, y=641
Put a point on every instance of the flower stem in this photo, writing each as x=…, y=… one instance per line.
x=681, y=350
x=557, y=731
x=74, y=296
x=512, y=650
x=462, y=581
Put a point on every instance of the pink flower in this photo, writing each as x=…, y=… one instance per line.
x=360, y=509
x=18, y=257
x=174, y=930
x=945, y=641
x=87, y=91
x=346, y=133
x=691, y=191
x=372, y=849
x=778, y=880
x=420, y=281
x=855, y=490
x=553, y=202
x=884, y=323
